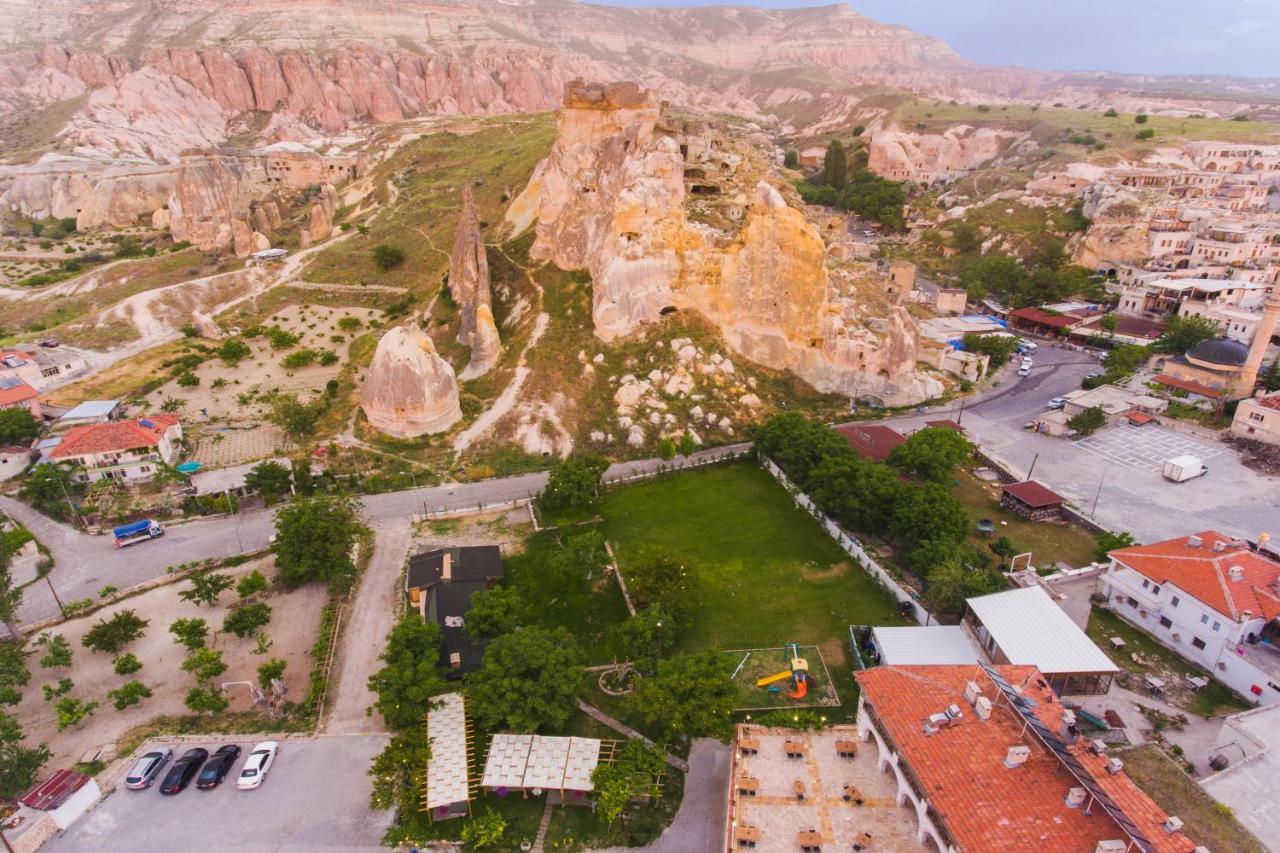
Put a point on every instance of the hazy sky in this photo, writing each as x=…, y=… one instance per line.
x=1134, y=36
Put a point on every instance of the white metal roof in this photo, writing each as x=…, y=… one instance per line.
x=1031, y=629
x=533, y=761
x=920, y=645
x=547, y=759
x=226, y=479
x=447, y=767
x=508, y=757
x=91, y=409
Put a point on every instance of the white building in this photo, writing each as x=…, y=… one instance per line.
x=1210, y=598
x=120, y=450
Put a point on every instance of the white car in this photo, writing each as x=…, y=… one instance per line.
x=1025, y=370
x=1057, y=402
x=257, y=764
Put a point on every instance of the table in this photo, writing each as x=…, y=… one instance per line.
x=1117, y=643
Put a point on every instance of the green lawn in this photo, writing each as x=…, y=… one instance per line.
x=1048, y=543
x=1213, y=699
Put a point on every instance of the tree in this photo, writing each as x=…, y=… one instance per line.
x=688, y=446
x=667, y=449
x=634, y=772
x=397, y=771
x=691, y=696
x=932, y=454
x=1089, y=421
x=19, y=766
x=797, y=444
x=1109, y=323
x=48, y=487
x=859, y=493
x=876, y=198
x=126, y=664
x=659, y=578
x=484, y=831
x=993, y=273
x=495, y=612
x=1124, y=361
x=577, y=559
x=57, y=651
x=246, y=619
x=1106, y=542
x=574, y=482
x=529, y=680
x=1270, y=377
x=314, y=540
x=112, y=635
x=252, y=584
x=835, y=166
x=233, y=351
x=1004, y=547
x=206, y=701
x=269, y=671
x=72, y=711
x=206, y=586
x=1186, y=332
x=966, y=239
x=190, y=632
x=296, y=418
x=952, y=582
x=13, y=672
x=1145, y=133
x=129, y=693
x=1140, y=118
x=386, y=256
x=204, y=664
x=410, y=675
x=269, y=479
x=791, y=159
x=646, y=638
x=997, y=348
x=929, y=513
x=18, y=426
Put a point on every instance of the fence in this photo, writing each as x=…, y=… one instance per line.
x=851, y=546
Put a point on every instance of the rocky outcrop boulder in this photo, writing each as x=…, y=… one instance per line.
x=93, y=193
x=320, y=215
x=206, y=326
x=210, y=203
x=409, y=390
x=469, y=285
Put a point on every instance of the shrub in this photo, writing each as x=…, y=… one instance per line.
x=114, y=634
x=190, y=632
x=1145, y=133
x=126, y=664
x=387, y=256
x=1140, y=118
x=327, y=358
x=129, y=693
x=209, y=701
x=298, y=358
x=247, y=619
x=187, y=379
x=1089, y=421
x=57, y=651
x=73, y=712
x=349, y=324
x=252, y=584
x=233, y=351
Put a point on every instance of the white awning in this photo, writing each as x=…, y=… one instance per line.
x=534, y=762
x=921, y=646
x=447, y=767
x=1032, y=630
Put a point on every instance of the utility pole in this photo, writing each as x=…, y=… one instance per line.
x=960, y=414
x=1099, y=492
x=1033, y=465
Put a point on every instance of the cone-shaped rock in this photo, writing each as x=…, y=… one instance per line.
x=486, y=347
x=409, y=389
x=468, y=268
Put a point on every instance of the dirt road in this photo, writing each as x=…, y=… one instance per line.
x=369, y=620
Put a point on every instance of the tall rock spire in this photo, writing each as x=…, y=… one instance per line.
x=469, y=285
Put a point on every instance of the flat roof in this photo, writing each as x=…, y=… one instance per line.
x=1210, y=285
x=227, y=479
x=931, y=644
x=447, y=767
x=534, y=761
x=1032, y=630
x=90, y=409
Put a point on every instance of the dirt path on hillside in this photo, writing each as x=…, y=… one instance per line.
x=369, y=619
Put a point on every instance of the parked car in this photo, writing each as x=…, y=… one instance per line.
x=256, y=766
x=1095, y=375
x=1057, y=402
x=1025, y=370
x=183, y=771
x=215, y=769
x=1025, y=346
x=49, y=343
x=147, y=768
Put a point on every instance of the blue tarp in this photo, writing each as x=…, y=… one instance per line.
x=189, y=467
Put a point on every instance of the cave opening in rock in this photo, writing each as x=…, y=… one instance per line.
x=670, y=309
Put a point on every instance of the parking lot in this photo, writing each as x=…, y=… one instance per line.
x=1146, y=447
x=316, y=796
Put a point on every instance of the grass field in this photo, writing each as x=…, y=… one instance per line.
x=1206, y=821
x=1048, y=543
x=763, y=663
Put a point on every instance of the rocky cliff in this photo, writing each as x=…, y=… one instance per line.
x=931, y=157
x=210, y=203
x=409, y=390
x=470, y=288
x=613, y=197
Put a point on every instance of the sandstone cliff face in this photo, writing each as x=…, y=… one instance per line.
x=409, y=390
x=210, y=203
x=611, y=198
x=469, y=285
x=932, y=157
x=91, y=192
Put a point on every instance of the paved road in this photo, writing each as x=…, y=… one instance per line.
x=83, y=564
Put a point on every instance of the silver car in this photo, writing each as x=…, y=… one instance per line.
x=147, y=769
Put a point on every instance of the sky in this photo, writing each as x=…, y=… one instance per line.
x=1240, y=37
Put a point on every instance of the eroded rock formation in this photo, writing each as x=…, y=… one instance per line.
x=611, y=197
x=409, y=390
x=210, y=203
x=932, y=157
x=469, y=285
x=91, y=192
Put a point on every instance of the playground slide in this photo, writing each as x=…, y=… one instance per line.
x=770, y=679
x=801, y=689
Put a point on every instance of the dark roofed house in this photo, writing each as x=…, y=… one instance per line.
x=872, y=441
x=440, y=584
x=1032, y=501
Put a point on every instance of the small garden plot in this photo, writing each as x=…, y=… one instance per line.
x=767, y=663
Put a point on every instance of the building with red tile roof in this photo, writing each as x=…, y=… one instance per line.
x=1210, y=597
x=15, y=394
x=873, y=442
x=120, y=450
x=989, y=759
x=1032, y=500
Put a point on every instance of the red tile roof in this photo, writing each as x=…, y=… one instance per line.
x=1138, y=418
x=1188, y=385
x=1205, y=573
x=19, y=393
x=983, y=804
x=113, y=436
x=1033, y=494
x=872, y=441
x=1271, y=401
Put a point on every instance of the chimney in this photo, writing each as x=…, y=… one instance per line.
x=1194, y=542
x=971, y=691
x=1017, y=756
x=455, y=660
x=1067, y=729
x=1075, y=798
x=1219, y=546
x=1173, y=824
x=1236, y=573
x=983, y=708
x=1114, y=765
x=1098, y=746
x=446, y=568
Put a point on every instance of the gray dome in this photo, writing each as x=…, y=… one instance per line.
x=1222, y=351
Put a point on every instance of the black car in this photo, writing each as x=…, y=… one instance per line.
x=216, y=768
x=183, y=771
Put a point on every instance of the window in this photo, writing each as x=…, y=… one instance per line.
x=1155, y=590
x=1146, y=584
x=145, y=469
x=1165, y=623
x=1254, y=416
x=1133, y=602
x=1197, y=642
x=1173, y=602
x=1204, y=619
x=50, y=371
x=1217, y=626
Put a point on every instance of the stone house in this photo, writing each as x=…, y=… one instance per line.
x=1258, y=418
x=129, y=451
x=1032, y=501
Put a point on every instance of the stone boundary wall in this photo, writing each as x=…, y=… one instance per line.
x=851, y=546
